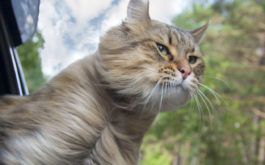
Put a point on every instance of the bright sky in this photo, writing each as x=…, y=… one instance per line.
x=71, y=28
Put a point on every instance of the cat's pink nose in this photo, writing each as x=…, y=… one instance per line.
x=185, y=71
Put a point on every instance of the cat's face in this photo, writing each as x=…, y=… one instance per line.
x=156, y=63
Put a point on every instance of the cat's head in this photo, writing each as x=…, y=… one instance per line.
x=155, y=63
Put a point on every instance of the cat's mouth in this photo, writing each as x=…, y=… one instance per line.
x=173, y=85
x=190, y=84
x=172, y=94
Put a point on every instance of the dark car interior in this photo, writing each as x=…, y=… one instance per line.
x=15, y=29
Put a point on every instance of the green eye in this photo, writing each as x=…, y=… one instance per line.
x=163, y=50
x=192, y=59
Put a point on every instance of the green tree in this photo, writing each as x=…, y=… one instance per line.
x=31, y=62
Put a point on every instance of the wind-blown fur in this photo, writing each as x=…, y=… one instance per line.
x=96, y=111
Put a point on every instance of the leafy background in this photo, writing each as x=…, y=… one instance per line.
x=233, y=131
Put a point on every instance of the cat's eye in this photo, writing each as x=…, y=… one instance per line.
x=164, y=50
x=192, y=59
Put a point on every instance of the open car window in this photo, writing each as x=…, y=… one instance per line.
x=18, y=20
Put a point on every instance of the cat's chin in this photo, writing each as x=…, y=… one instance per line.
x=175, y=99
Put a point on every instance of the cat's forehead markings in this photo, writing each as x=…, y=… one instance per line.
x=172, y=39
x=173, y=36
x=181, y=37
x=186, y=39
x=169, y=38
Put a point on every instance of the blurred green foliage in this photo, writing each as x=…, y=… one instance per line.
x=233, y=132
x=31, y=62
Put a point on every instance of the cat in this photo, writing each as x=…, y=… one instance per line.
x=97, y=110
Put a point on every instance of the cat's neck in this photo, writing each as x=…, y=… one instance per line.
x=128, y=129
x=127, y=121
x=131, y=124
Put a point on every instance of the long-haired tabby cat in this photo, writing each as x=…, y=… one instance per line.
x=96, y=111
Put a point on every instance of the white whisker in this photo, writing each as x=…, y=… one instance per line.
x=192, y=99
x=151, y=93
x=206, y=104
x=161, y=97
x=198, y=105
x=216, y=95
x=221, y=80
x=207, y=99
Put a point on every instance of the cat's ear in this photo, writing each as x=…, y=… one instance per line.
x=199, y=32
x=138, y=11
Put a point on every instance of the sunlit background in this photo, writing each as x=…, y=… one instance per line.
x=71, y=28
x=226, y=125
